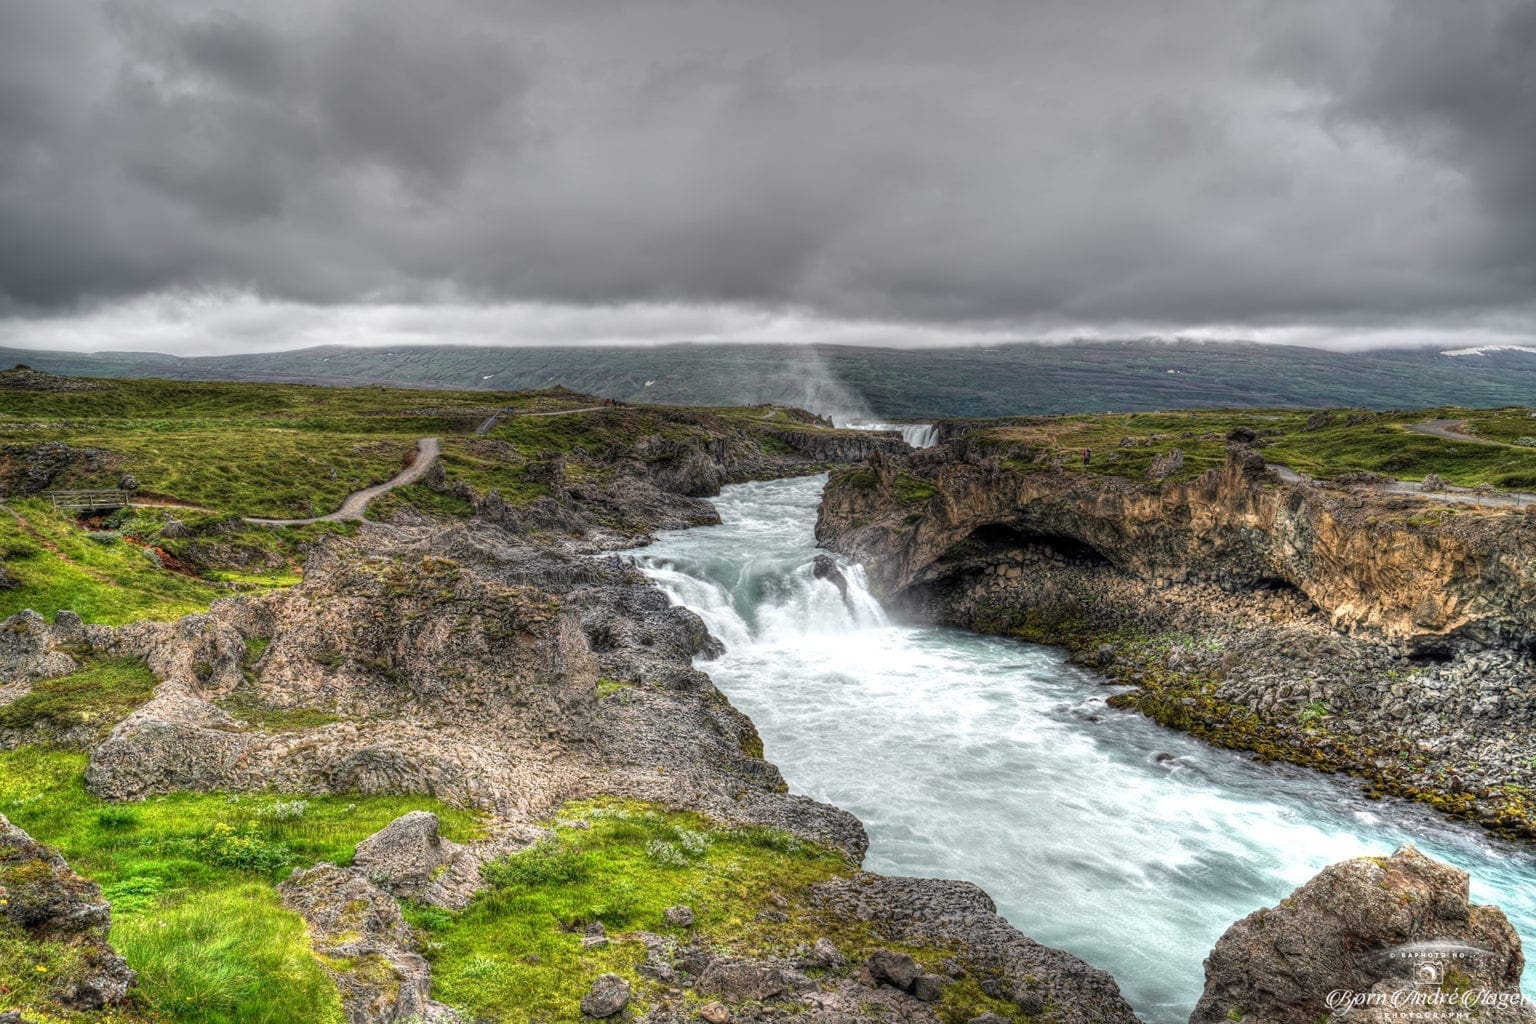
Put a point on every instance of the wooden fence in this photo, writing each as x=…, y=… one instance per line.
x=89, y=501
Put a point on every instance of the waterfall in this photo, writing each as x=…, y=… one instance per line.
x=1095, y=830
x=918, y=435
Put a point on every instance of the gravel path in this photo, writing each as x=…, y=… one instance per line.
x=357, y=502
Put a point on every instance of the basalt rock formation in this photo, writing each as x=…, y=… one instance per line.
x=1339, y=627
x=1374, y=940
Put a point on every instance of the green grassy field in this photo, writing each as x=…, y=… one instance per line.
x=191, y=878
x=1324, y=445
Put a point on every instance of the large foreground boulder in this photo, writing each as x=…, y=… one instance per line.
x=42, y=901
x=1369, y=940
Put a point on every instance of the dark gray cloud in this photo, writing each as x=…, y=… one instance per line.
x=989, y=165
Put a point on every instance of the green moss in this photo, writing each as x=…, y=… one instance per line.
x=911, y=489
x=33, y=973
x=606, y=686
x=99, y=695
x=248, y=706
x=862, y=479
x=56, y=566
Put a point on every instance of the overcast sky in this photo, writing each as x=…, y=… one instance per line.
x=200, y=177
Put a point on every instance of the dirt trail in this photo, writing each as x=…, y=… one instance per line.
x=1453, y=495
x=1453, y=430
x=357, y=502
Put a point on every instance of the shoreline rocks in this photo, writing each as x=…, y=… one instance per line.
x=1371, y=940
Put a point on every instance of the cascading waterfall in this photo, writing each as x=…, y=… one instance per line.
x=1095, y=830
x=917, y=435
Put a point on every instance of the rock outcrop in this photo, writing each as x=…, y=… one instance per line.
x=1341, y=628
x=366, y=947
x=1369, y=940
x=27, y=469
x=43, y=901
x=1009, y=966
x=411, y=861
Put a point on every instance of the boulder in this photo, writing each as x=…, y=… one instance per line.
x=738, y=981
x=1373, y=936
x=42, y=900
x=411, y=860
x=609, y=994
x=28, y=651
x=895, y=968
x=825, y=568
x=1164, y=466
x=826, y=954
x=929, y=988
x=680, y=915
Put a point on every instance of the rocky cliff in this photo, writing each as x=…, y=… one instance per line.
x=1338, y=627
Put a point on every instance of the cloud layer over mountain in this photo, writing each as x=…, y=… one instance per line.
x=934, y=170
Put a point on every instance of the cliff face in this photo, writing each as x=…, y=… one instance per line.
x=1366, y=562
x=1341, y=629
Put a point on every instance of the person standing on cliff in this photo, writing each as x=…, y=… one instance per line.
x=1087, y=456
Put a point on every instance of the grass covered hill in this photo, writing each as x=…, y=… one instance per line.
x=204, y=455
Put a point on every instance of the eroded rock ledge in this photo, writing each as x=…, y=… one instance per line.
x=1340, y=628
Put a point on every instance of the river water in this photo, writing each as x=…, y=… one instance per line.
x=1096, y=831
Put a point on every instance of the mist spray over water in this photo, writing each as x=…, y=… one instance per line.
x=974, y=757
x=821, y=392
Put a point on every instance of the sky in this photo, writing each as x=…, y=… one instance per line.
x=208, y=177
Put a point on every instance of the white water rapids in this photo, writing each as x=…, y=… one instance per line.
x=1096, y=831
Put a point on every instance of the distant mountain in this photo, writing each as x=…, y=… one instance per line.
x=890, y=383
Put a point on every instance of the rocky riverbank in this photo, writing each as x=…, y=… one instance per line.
x=1334, y=627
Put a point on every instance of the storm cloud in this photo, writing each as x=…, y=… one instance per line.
x=1354, y=168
